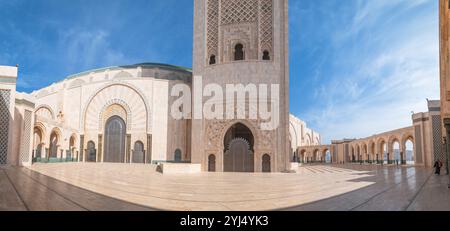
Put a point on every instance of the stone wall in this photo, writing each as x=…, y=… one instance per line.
x=8, y=77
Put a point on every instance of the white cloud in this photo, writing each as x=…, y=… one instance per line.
x=387, y=76
x=85, y=49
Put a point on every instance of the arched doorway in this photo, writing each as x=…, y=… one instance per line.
x=303, y=157
x=115, y=133
x=238, y=153
x=384, y=152
x=316, y=156
x=54, y=140
x=328, y=158
x=409, y=152
x=91, y=152
x=178, y=156
x=38, y=140
x=138, y=153
x=398, y=159
x=266, y=164
x=211, y=163
x=71, y=153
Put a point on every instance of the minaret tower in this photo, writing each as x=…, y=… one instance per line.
x=444, y=15
x=241, y=42
x=444, y=55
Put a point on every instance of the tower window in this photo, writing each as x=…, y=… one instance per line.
x=266, y=55
x=212, y=60
x=239, y=52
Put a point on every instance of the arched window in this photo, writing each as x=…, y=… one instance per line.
x=266, y=55
x=178, y=156
x=266, y=163
x=38, y=135
x=212, y=60
x=239, y=52
x=211, y=163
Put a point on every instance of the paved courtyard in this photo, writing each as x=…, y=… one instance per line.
x=77, y=186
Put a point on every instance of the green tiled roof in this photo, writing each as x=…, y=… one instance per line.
x=147, y=65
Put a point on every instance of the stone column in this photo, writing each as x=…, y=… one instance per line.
x=390, y=154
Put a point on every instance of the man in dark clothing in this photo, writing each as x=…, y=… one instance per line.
x=438, y=166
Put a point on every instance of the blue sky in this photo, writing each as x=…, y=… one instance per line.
x=358, y=67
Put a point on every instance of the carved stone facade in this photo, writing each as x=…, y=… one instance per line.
x=444, y=15
x=241, y=35
x=137, y=94
x=233, y=22
x=71, y=120
x=5, y=117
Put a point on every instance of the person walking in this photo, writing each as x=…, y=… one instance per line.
x=438, y=166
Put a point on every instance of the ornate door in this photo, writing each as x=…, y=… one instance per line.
x=239, y=157
x=178, y=156
x=91, y=152
x=138, y=153
x=115, y=133
x=211, y=163
x=266, y=163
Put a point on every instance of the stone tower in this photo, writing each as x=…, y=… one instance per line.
x=444, y=15
x=241, y=42
x=444, y=55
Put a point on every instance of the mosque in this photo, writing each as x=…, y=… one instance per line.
x=122, y=114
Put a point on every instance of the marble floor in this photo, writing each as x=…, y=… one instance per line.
x=78, y=186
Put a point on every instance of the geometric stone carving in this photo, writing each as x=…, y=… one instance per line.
x=437, y=138
x=25, y=143
x=213, y=27
x=216, y=129
x=115, y=107
x=45, y=112
x=249, y=22
x=136, y=107
x=238, y=11
x=266, y=26
x=4, y=124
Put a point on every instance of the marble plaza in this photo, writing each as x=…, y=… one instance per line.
x=137, y=187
